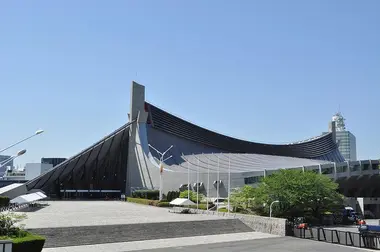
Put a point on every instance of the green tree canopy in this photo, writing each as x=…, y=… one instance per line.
x=242, y=197
x=299, y=193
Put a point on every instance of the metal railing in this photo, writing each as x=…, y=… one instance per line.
x=347, y=238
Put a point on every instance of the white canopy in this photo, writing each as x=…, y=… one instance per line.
x=41, y=194
x=182, y=202
x=28, y=198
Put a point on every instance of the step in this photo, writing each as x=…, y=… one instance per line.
x=86, y=235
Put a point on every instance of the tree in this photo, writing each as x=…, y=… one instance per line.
x=242, y=197
x=306, y=194
x=8, y=225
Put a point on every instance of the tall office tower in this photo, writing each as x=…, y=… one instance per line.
x=52, y=161
x=345, y=139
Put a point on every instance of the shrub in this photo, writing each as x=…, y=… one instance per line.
x=193, y=196
x=202, y=206
x=30, y=243
x=7, y=224
x=172, y=195
x=146, y=194
x=22, y=240
x=4, y=201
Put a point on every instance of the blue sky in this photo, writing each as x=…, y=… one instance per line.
x=266, y=71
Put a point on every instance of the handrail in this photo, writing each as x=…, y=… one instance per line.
x=336, y=236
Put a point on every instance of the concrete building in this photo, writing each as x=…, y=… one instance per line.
x=52, y=161
x=6, y=166
x=126, y=160
x=33, y=170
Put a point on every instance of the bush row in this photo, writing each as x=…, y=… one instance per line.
x=202, y=206
x=143, y=201
x=158, y=203
x=146, y=194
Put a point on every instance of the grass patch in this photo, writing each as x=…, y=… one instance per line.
x=222, y=210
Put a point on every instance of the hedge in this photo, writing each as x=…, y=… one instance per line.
x=172, y=195
x=29, y=243
x=202, y=206
x=146, y=194
x=158, y=203
x=143, y=201
x=163, y=204
x=4, y=201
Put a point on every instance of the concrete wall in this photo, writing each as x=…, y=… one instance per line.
x=275, y=226
x=14, y=192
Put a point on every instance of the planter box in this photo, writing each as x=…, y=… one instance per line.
x=29, y=243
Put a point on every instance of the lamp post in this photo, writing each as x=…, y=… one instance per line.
x=217, y=190
x=20, y=153
x=270, y=208
x=162, y=160
x=188, y=180
x=208, y=183
x=38, y=132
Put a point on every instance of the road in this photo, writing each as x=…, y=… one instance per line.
x=283, y=244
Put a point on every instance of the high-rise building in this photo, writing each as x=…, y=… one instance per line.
x=4, y=167
x=345, y=139
x=52, y=161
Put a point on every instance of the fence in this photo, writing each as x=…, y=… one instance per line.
x=347, y=238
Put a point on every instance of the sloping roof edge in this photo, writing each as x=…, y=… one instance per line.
x=125, y=126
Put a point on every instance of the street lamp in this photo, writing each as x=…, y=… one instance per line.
x=20, y=153
x=38, y=132
x=162, y=160
x=270, y=208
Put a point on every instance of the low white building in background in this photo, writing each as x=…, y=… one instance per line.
x=33, y=170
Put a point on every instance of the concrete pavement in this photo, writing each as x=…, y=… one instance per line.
x=163, y=244
x=95, y=213
x=283, y=244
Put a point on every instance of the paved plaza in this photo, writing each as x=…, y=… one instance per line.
x=164, y=244
x=102, y=226
x=283, y=244
x=95, y=213
x=238, y=242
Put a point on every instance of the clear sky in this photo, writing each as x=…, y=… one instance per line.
x=266, y=71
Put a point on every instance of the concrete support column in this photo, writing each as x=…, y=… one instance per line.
x=360, y=201
x=335, y=172
x=265, y=173
x=348, y=169
x=320, y=169
x=137, y=112
x=303, y=168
